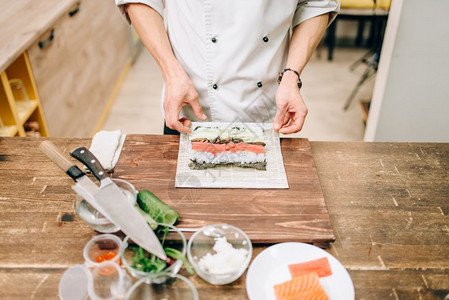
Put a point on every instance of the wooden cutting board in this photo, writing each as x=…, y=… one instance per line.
x=267, y=216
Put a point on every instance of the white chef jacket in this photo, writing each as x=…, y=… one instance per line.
x=233, y=50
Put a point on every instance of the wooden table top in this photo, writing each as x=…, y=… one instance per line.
x=387, y=202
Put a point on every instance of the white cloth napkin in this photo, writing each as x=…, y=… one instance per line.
x=107, y=146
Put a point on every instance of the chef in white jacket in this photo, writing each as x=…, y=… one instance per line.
x=231, y=60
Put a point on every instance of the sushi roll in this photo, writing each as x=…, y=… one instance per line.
x=239, y=146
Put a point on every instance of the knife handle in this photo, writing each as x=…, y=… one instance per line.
x=90, y=161
x=56, y=155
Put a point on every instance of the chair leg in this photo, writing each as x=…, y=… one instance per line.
x=360, y=31
x=371, y=69
x=363, y=59
x=330, y=39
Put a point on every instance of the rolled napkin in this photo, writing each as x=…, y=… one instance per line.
x=107, y=146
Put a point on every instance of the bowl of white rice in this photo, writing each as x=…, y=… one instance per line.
x=219, y=253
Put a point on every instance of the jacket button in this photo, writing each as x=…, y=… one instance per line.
x=259, y=84
x=214, y=40
x=215, y=86
x=265, y=39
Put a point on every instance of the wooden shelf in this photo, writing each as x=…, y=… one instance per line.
x=25, y=109
x=10, y=130
x=14, y=112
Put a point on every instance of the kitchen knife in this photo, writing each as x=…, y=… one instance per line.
x=117, y=206
x=84, y=186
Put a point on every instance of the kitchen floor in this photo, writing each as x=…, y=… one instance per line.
x=326, y=87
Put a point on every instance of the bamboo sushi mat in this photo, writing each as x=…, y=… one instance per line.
x=273, y=177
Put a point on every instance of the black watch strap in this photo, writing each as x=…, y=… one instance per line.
x=294, y=71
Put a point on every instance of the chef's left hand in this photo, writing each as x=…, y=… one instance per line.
x=291, y=109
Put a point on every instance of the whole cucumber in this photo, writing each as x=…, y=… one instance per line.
x=158, y=210
x=148, y=218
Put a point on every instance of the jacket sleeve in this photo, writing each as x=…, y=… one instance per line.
x=307, y=9
x=157, y=5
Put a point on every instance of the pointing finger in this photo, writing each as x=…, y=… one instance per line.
x=197, y=109
x=294, y=126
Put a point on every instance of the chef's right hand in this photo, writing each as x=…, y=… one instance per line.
x=180, y=91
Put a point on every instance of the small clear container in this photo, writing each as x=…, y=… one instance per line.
x=108, y=282
x=173, y=287
x=174, y=239
x=73, y=284
x=94, y=218
x=103, y=247
x=227, y=264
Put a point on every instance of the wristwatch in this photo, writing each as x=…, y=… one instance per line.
x=294, y=71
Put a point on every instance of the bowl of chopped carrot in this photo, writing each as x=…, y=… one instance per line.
x=142, y=264
x=219, y=253
x=103, y=247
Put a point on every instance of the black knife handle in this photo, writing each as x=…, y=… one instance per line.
x=60, y=159
x=90, y=161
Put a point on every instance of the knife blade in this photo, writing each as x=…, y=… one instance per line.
x=84, y=186
x=117, y=206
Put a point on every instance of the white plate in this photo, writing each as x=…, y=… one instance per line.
x=270, y=267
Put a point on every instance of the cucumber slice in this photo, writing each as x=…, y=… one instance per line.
x=158, y=210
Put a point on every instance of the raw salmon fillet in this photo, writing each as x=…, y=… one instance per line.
x=306, y=287
x=321, y=266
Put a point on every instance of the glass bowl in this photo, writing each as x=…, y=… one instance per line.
x=94, y=218
x=173, y=287
x=219, y=253
x=103, y=247
x=174, y=239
